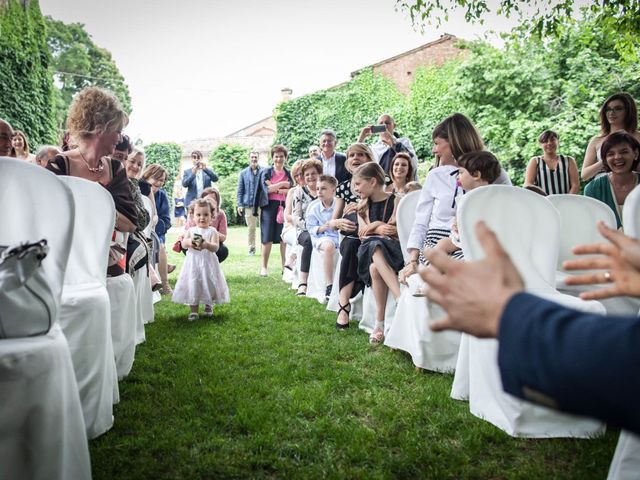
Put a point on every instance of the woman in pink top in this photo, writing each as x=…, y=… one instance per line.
x=275, y=182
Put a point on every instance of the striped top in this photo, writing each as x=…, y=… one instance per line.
x=553, y=181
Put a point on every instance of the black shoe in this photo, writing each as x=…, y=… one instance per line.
x=327, y=292
x=343, y=308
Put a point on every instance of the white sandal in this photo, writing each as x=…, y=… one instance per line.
x=193, y=316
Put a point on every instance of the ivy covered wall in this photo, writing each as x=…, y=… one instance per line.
x=26, y=85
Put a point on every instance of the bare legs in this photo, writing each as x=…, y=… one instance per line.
x=266, y=252
x=383, y=279
x=328, y=249
x=162, y=269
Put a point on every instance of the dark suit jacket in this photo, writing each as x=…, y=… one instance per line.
x=342, y=174
x=577, y=362
x=189, y=182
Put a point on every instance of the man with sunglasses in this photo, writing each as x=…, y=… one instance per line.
x=197, y=178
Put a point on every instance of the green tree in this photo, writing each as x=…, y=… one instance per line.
x=78, y=63
x=26, y=87
x=620, y=19
x=168, y=155
x=227, y=159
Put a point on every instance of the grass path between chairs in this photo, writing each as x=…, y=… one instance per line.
x=269, y=389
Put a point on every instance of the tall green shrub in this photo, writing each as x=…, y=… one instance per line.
x=26, y=85
x=227, y=159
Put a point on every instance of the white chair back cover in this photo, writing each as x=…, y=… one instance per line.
x=631, y=213
x=528, y=227
x=579, y=216
x=43, y=208
x=39, y=403
x=405, y=216
x=92, y=233
x=625, y=464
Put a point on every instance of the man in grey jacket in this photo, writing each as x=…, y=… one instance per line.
x=247, y=184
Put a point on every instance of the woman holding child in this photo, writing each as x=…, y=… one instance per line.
x=379, y=255
x=273, y=186
x=345, y=219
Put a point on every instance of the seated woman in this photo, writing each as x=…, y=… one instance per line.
x=289, y=235
x=618, y=113
x=20, y=147
x=94, y=123
x=345, y=220
x=401, y=173
x=379, y=255
x=620, y=152
x=156, y=176
x=302, y=197
x=552, y=173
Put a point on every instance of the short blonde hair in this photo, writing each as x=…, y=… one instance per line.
x=94, y=107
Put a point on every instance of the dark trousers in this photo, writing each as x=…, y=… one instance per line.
x=222, y=253
x=304, y=239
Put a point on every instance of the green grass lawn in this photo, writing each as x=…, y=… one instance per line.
x=268, y=389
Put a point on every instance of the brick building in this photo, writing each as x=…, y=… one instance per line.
x=401, y=68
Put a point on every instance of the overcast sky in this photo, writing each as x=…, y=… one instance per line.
x=205, y=68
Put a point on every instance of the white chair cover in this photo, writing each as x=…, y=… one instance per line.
x=368, y=318
x=316, y=284
x=579, y=216
x=528, y=227
x=155, y=296
x=626, y=459
x=631, y=213
x=123, y=321
x=144, y=301
x=409, y=329
x=295, y=276
x=334, y=298
x=42, y=434
x=85, y=313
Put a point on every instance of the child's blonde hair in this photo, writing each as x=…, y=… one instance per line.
x=203, y=202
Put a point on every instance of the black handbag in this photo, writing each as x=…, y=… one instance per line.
x=27, y=305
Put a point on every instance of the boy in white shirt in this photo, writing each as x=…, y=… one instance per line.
x=323, y=237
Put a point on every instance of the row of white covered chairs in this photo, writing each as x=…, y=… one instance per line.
x=58, y=390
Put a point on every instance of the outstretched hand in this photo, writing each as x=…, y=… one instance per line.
x=473, y=294
x=619, y=259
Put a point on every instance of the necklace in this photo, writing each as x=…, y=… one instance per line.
x=96, y=169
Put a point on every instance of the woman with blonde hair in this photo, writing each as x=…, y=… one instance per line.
x=95, y=121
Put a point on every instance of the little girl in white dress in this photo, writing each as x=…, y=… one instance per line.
x=201, y=279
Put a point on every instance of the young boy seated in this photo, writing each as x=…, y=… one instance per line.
x=475, y=169
x=323, y=237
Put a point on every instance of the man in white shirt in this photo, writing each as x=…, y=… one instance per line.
x=389, y=143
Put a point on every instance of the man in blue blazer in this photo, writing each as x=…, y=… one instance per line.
x=574, y=361
x=197, y=178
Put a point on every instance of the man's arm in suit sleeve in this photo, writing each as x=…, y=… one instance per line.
x=577, y=362
x=212, y=175
x=187, y=178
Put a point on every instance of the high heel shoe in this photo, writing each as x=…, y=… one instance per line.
x=343, y=308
